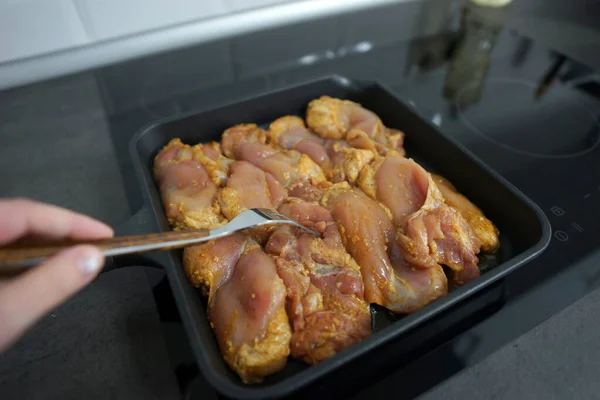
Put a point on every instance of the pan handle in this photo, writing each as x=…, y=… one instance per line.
x=141, y=223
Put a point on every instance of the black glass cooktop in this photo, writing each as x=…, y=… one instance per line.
x=528, y=111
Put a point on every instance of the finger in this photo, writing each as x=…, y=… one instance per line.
x=25, y=299
x=21, y=217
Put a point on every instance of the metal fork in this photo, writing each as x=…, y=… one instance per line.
x=17, y=258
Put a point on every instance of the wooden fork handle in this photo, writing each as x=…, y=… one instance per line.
x=16, y=258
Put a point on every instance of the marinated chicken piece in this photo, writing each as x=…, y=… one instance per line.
x=189, y=195
x=324, y=288
x=249, y=187
x=429, y=231
x=249, y=318
x=246, y=304
x=332, y=118
x=327, y=254
x=288, y=167
x=338, y=119
x=337, y=158
x=399, y=184
x=443, y=236
x=306, y=191
x=211, y=264
x=307, y=214
x=483, y=228
x=215, y=163
x=238, y=134
x=368, y=235
x=295, y=171
x=290, y=132
x=346, y=161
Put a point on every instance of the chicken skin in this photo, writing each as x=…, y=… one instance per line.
x=368, y=234
x=246, y=304
x=483, y=228
x=189, y=195
x=429, y=231
x=324, y=287
x=333, y=118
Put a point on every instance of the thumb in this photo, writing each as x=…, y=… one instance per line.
x=28, y=297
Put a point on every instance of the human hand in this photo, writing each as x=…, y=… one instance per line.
x=26, y=298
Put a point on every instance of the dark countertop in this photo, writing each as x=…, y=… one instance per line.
x=61, y=126
x=72, y=161
x=56, y=148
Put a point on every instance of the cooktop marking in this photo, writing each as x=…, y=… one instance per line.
x=541, y=128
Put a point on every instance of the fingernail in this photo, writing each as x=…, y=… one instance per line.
x=90, y=262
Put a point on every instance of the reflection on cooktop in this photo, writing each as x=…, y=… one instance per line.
x=508, y=114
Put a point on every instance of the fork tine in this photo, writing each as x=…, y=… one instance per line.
x=272, y=215
x=269, y=214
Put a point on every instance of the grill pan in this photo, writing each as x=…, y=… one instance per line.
x=525, y=232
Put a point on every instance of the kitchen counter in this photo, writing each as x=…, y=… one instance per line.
x=77, y=158
x=55, y=147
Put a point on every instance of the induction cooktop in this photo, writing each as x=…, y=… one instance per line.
x=531, y=113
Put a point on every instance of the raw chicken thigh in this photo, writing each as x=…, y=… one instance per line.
x=342, y=119
x=429, y=231
x=369, y=236
x=337, y=158
x=246, y=304
x=483, y=228
x=325, y=291
x=215, y=163
x=188, y=193
x=249, y=187
x=295, y=171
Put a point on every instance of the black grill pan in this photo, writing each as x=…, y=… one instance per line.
x=525, y=232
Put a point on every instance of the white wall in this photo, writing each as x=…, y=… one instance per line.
x=43, y=39
x=34, y=27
